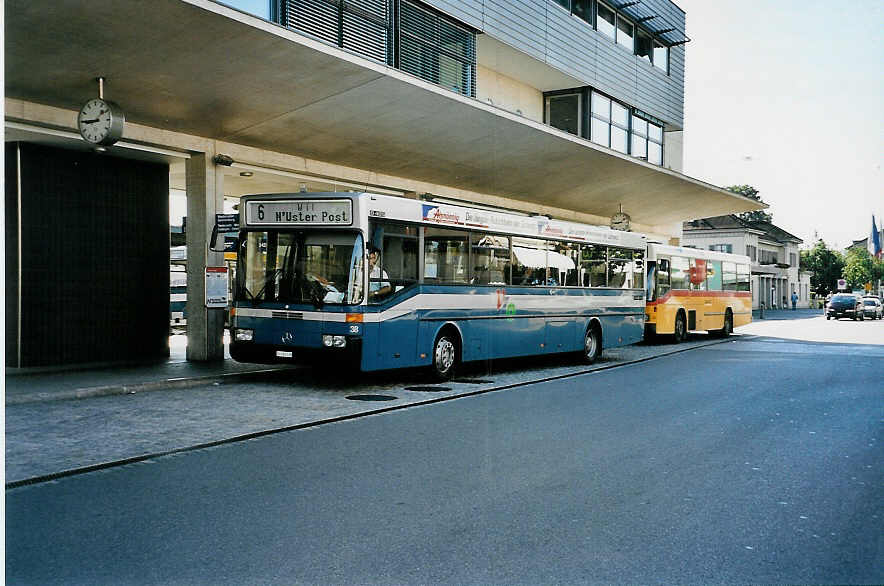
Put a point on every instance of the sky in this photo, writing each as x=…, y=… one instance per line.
x=788, y=96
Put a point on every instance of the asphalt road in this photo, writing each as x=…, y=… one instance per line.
x=751, y=461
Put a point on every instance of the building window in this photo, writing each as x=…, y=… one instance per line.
x=643, y=45
x=609, y=126
x=793, y=259
x=431, y=46
x=768, y=257
x=361, y=26
x=647, y=140
x=625, y=34
x=623, y=31
x=729, y=248
x=608, y=123
x=563, y=112
x=437, y=49
x=582, y=10
x=661, y=57
x=606, y=21
x=752, y=252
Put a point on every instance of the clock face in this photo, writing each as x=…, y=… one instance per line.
x=100, y=122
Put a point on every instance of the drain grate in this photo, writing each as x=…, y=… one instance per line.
x=428, y=389
x=473, y=381
x=372, y=398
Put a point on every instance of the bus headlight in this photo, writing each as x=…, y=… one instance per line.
x=244, y=335
x=333, y=341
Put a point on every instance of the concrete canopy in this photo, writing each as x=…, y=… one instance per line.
x=198, y=67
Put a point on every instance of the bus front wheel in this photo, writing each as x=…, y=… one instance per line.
x=444, y=356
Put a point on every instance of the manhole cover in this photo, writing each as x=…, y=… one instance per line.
x=428, y=389
x=372, y=398
x=473, y=381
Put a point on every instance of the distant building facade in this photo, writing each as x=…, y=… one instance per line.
x=772, y=250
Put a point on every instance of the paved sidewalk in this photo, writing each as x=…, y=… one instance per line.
x=783, y=314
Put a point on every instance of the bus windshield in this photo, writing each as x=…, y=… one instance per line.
x=301, y=267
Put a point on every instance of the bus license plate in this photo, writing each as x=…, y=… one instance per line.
x=283, y=354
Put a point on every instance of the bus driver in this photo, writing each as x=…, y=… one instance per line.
x=377, y=288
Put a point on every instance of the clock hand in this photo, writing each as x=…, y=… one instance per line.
x=90, y=121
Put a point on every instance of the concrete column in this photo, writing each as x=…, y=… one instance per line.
x=205, y=198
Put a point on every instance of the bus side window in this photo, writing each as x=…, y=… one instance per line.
x=697, y=272
x=594, y=265
x=619, y=267
x=663, y=269
x=529, y=262
x=713, y=275
x=743, y=278
x=729, y=276
x=446, y=253
x=398, y=244
x=679, y=272
x=571, y=270
x=638, y=269
x=490, y=255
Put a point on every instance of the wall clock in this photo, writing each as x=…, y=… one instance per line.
x=100, y=122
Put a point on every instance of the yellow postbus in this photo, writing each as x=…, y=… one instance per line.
x=689, y=289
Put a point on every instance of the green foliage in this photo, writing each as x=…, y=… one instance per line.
x=860, y=268
x=826, y=265
x=752, y=193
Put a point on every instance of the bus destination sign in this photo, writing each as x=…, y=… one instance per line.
x=320, y=212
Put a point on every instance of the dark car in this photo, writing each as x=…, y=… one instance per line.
x=845, y=305
x=872, y=308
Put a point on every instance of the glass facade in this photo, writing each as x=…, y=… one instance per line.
x=608, y=123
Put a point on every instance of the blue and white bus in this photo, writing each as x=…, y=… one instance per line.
x=456, y=283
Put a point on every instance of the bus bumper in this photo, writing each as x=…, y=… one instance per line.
x=257, y=353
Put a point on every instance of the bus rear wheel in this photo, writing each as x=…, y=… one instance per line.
x=592, y=345
x=728, y=327
x=681, y=328
x=444, y=357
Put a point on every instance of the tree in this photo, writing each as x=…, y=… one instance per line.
x=826, y=265
x=859, y=267
x=752, y=193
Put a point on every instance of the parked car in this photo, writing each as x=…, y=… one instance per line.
x=872, y=307
x=845, y=305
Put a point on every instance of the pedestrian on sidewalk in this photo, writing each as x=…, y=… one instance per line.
x=794, y=300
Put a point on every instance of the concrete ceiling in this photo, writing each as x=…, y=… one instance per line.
x=200, y=68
